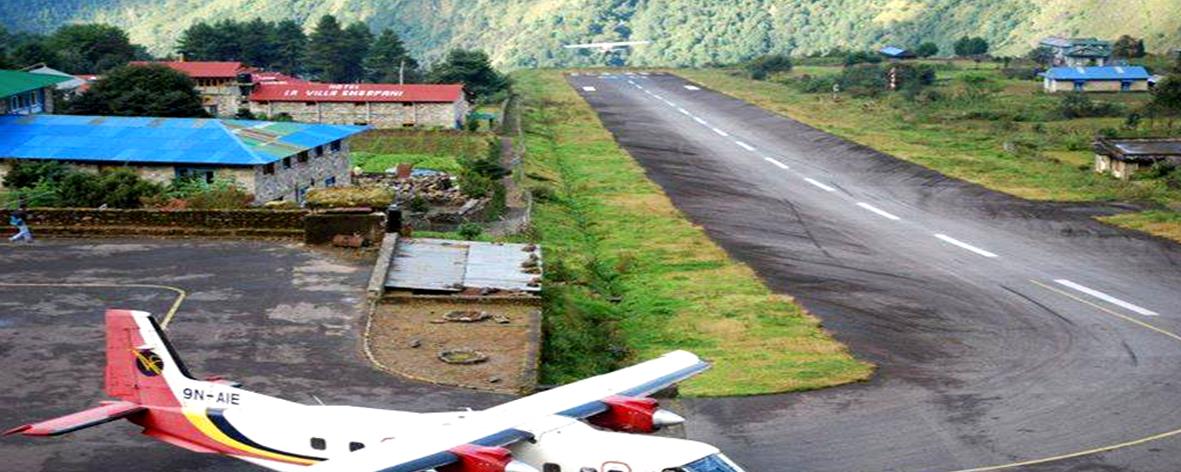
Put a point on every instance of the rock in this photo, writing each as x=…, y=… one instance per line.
x=415, y=343
x=494, y=380
x=501, y=319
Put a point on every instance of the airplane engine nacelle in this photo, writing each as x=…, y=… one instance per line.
x=634, y=415
x=473, y=458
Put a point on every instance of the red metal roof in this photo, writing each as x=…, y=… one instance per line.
x=202, y=69
x=314, y=92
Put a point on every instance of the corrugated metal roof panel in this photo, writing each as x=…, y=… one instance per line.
x=443, y=265
x=165, y=140
x=1098, y=73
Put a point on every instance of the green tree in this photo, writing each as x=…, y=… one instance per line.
x=1127, y=47
x=472, y=69
x=290, y=46
x=1166, y=97
x=33, y=52
x=324, y=47
x=151, y=90
x=354, y=50
x=386, y=57
x=1042, y=55
x=257, y=39
x=970, y=46
x=926, y=49
x=91, y=48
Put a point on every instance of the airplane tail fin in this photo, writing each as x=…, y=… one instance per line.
x=142, y=367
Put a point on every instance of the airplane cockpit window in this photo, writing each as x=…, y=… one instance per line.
x=714, y=463
x=356, y=446
x=551, y=468
x=319, y=444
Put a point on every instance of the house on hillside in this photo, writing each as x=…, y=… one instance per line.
x=377, y=105
x=1096, y=79
x=274, y=161
x=23, y=93
x=895, y=52
x=219, y=83
x=1124, y=157
x=1078, y=52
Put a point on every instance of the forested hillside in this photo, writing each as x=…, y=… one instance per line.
x=684, y=32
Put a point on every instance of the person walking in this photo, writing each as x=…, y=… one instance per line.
x=20, y=219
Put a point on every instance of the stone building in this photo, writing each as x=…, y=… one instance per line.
x=376, y=105
x=1096, y=79
x=273, y=161
x=24, y=93
x=1078, y=52
x=219, y=83
x=1124, y=157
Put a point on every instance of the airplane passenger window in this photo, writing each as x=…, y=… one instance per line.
x=319, y=444
x=355, y=446
x=551, y=468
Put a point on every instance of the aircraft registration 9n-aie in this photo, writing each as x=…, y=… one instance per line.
x=593, y=425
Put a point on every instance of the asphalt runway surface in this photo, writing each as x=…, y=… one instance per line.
x=1004, y=330
x=283, y=320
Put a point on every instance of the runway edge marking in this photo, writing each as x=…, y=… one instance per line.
x=180, y=293
x=1105, y=297
x=1098, y=450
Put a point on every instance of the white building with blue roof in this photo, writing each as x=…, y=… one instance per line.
x=272, y=160
x=1096, y=79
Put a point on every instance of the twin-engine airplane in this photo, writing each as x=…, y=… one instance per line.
x=607, y=47
x=581, y=427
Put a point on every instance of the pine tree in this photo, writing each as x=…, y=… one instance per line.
x=290, y=46
x=354, y=49
x=324, y=48
x=473, y=70
x=385, y=58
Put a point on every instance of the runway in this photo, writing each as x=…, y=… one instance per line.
x=1005, y=330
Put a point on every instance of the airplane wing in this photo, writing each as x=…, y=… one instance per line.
x=107, y=412
x=482, y=432
x=607, y=45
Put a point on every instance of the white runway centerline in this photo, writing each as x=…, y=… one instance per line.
x=683, y=111
x=692, y=87
x=777, y=163
x=700, y=121
x=964, y=245
x=588, y=89
x=819, y=184
x=878, y=211
x=744, y=145
x=720, y=132
x=1105, y=297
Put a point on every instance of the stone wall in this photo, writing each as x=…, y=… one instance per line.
x=285, y=183
x=376, y=114
x=1053, y=86
x=320, y=228
x=225, y=97
x=89, y=222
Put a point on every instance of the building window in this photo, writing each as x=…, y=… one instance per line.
x=407, y=104
x=358, y=104
x=302, y=156
x=263, y=103
x=319, y=444
x=1079, y=86
x=1125, y=86
x=319, y=151
x=334, y=146
x=330, y=182
x=269, y=169
x=407, y=125
x=356, y=446
x=310, y=104
x=201, y=173
x=287, y=162
x=361, y=123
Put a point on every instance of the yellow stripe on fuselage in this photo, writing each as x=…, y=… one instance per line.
x=201, y=421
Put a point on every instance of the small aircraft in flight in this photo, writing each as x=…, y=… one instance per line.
x=607, y=47
x=585, y=426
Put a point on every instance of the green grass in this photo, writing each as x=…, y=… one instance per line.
x=370, y=162
x=630, y=278
x=967, y=139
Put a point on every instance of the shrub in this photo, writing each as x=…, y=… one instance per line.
x=1079, y=105
x=418, y=204
x=475, y=185
x=119, y=188
x=1020, y=73
x=760, y=67
x=25, y=174
x=862, y=57
x=470, y=231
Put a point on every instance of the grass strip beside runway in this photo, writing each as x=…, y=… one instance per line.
x=629, y=277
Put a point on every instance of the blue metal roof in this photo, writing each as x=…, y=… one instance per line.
x=1098, y=73
x=892, y=51
x=193, y=141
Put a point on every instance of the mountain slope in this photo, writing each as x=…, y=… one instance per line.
x=684, y=32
